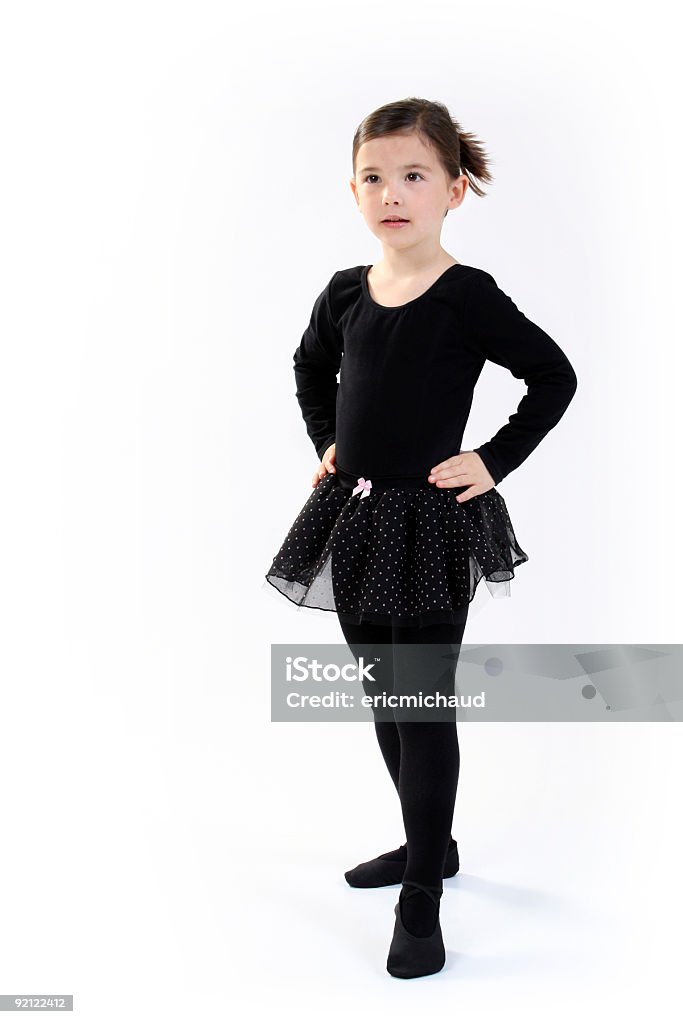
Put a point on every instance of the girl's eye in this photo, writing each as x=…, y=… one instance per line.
x=367, y=177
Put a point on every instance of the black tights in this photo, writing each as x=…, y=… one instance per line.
x=423, y=757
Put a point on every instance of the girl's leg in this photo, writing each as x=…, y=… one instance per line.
x=429, y=763
x=360, y=639
x=390, y=745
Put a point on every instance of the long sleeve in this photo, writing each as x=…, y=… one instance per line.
x=500, y=332
x=316, y=363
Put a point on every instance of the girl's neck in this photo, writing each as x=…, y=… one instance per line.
x=400, y=267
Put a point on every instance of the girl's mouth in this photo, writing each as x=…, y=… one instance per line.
x=395, y=223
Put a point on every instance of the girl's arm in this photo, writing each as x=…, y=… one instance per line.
x=502, y=333
x=316, y=364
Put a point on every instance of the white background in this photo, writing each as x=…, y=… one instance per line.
x=175, y=194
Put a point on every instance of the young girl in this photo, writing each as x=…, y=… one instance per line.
x=402, y=524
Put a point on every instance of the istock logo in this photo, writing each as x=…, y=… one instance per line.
x=300, y=669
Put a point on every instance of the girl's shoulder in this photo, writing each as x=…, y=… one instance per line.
x=343, y=289
x=348, y=281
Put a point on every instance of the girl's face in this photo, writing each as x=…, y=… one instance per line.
x=398, y=176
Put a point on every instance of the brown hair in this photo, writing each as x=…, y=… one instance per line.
x=460, y=152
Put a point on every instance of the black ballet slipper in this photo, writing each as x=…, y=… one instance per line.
x=389, y=868
x=414, y=956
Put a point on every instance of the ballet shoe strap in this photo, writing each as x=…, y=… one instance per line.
x=433, y=891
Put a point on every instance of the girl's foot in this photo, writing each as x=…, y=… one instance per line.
x=389, y=868
x=413, y=956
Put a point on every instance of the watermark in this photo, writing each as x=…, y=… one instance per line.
x=477, y=682
x=33, y=1002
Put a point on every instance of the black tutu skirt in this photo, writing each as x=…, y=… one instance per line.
x=400, y=552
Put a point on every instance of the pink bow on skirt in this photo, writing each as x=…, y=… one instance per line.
x=363, y=486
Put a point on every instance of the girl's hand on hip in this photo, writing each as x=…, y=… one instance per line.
x=326, y=466
x=462, y=470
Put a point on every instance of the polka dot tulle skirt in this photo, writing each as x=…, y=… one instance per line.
x=393, y=555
